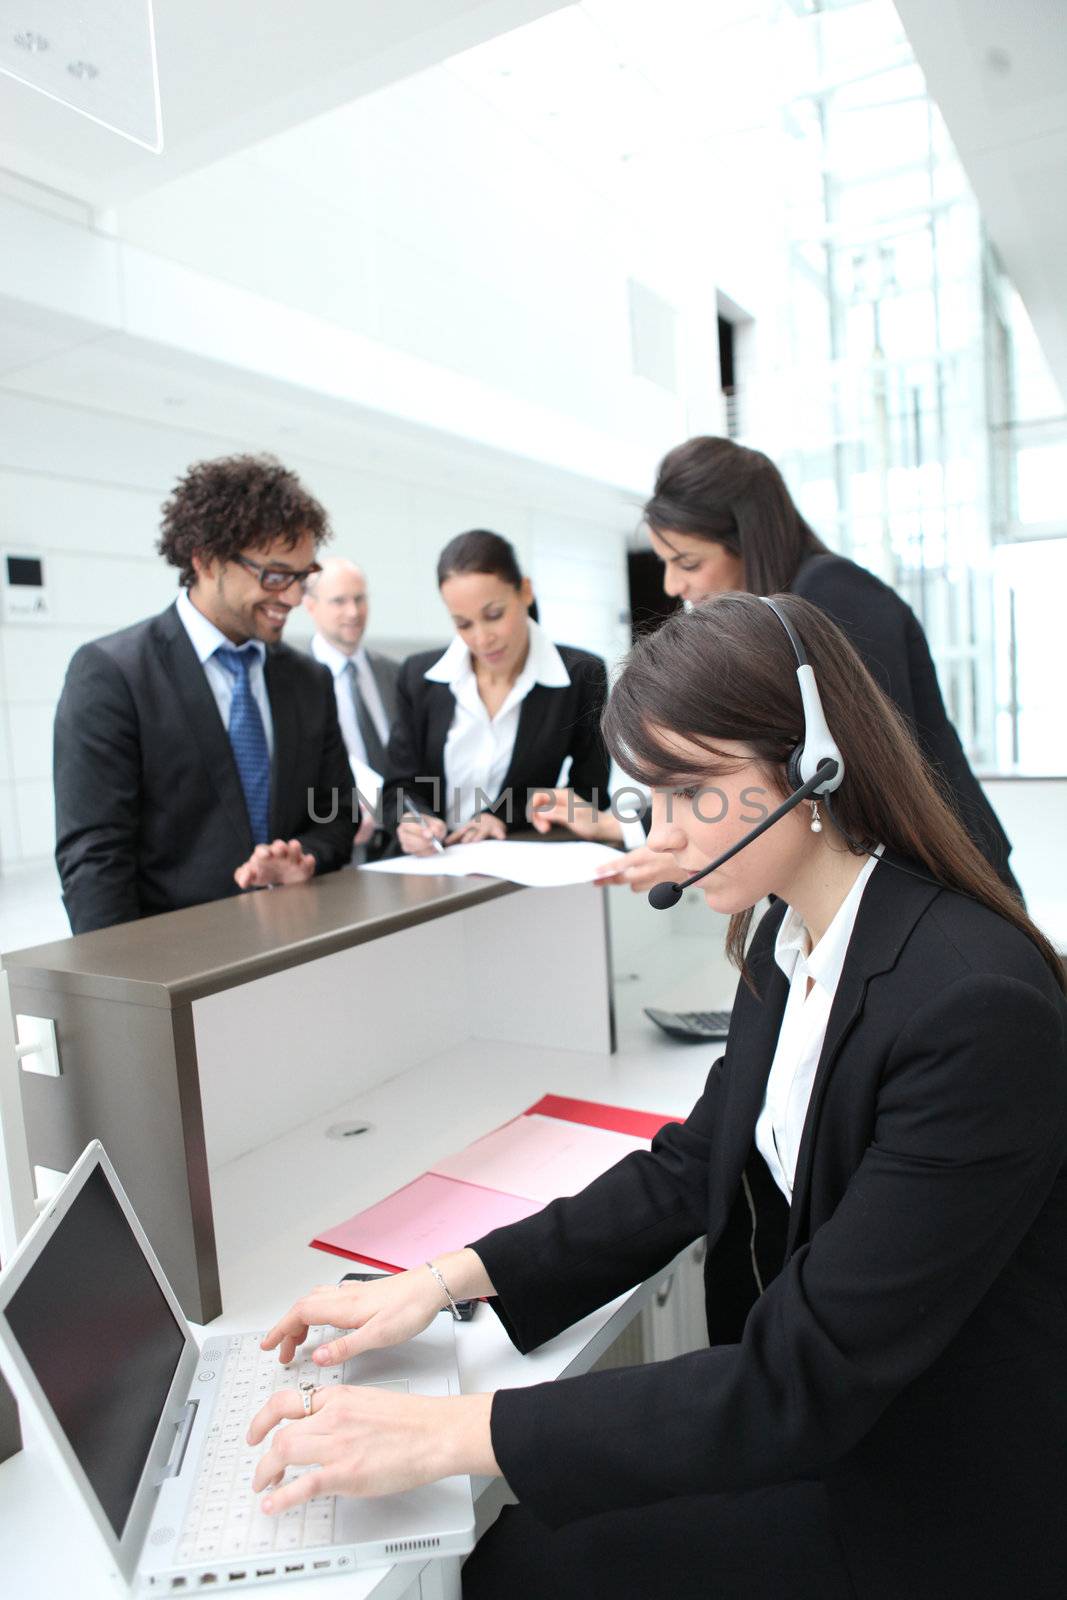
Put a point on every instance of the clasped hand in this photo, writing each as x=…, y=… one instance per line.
x=283, y=861
x=416, y=837
x=563, y=808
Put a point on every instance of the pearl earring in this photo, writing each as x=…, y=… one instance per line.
x=816, y=825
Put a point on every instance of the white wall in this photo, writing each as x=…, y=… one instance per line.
x=419, y=218
x=83, y=489
x=1033, y=812
x=414, y=302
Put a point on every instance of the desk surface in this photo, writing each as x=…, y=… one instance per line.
x=309, y=1181
x=182, y=956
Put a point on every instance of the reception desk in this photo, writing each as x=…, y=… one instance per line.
x=189, y=1042
x=217, y=1050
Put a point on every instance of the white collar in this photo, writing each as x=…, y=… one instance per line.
x=333, y=658
x=544, y=664
x=203, y=634
x=792, y=947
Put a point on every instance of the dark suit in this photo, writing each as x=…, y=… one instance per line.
x=887, y=635
x=385, y=672
x=150, y=813
x=901, y=1377
x=554, y=723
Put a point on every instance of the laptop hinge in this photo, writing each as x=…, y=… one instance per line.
x=181, y=1441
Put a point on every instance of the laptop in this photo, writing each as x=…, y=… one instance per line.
x=151, y=1430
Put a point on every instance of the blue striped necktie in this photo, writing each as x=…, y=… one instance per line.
x=248, y=739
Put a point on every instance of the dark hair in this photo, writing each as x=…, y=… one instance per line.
x=235, y=503
x=726, y=670
x=717, y=490
x=485, y=552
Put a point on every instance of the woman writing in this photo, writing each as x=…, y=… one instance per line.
x=721, y=519
x=878, y=1162
x=480, y=727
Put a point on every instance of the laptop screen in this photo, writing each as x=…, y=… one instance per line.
x=95, y=1327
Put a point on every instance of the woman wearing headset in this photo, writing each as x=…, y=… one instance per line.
x=496, y=716
x=879, y=1162
x=721, y=519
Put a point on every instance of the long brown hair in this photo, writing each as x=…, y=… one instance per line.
x=717, y=490
x=726, y=671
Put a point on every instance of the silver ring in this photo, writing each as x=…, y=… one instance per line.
x=308, y=1390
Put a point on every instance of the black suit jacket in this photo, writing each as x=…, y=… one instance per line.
x=553, y=724
x=886, y=633
x=910, y=1352
x=150, y=814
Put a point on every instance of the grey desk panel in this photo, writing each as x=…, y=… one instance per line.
x=181, y=956
x=130, y=1078
x=122, y=1001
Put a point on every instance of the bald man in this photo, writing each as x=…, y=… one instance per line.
x=363, y=680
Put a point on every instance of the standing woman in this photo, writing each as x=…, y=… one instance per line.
x=480, y=728
x=721, y=519
x=879, y=1162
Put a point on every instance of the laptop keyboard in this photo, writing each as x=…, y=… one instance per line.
x=224, y=1516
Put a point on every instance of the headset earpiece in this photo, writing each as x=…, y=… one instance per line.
x=818, y=744
x=792, y=767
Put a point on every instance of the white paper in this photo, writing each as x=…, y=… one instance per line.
x=538, y=866
x=368, y=782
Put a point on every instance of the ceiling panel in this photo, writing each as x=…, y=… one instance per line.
x=236, y=72
x=999, y=75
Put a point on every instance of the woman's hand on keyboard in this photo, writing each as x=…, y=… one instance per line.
x=381, y=1312
x=367, y=1441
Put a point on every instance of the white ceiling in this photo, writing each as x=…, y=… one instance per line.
x=998, y=72
x=235, y=71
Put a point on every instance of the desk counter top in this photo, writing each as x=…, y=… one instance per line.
x=181, y=956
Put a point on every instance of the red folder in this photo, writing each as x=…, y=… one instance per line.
x=438, y=1213
x=646, y=1124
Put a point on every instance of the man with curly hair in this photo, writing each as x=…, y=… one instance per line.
x=194, y=752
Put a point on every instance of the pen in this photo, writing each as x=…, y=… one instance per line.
x=416, y=817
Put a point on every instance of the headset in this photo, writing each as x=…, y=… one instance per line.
x=814, y=767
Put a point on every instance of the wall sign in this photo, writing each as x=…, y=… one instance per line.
x=22, y=588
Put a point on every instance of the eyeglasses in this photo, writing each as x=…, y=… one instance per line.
x=275, y=580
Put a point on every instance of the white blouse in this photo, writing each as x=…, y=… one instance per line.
x=785, y=1108
x=478, y=748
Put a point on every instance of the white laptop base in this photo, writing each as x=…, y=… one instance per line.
x=152, y=1431
x=207, y=1524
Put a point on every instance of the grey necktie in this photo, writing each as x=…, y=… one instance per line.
x=372, y=744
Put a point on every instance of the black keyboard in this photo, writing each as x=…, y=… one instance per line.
x=693, y=1027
